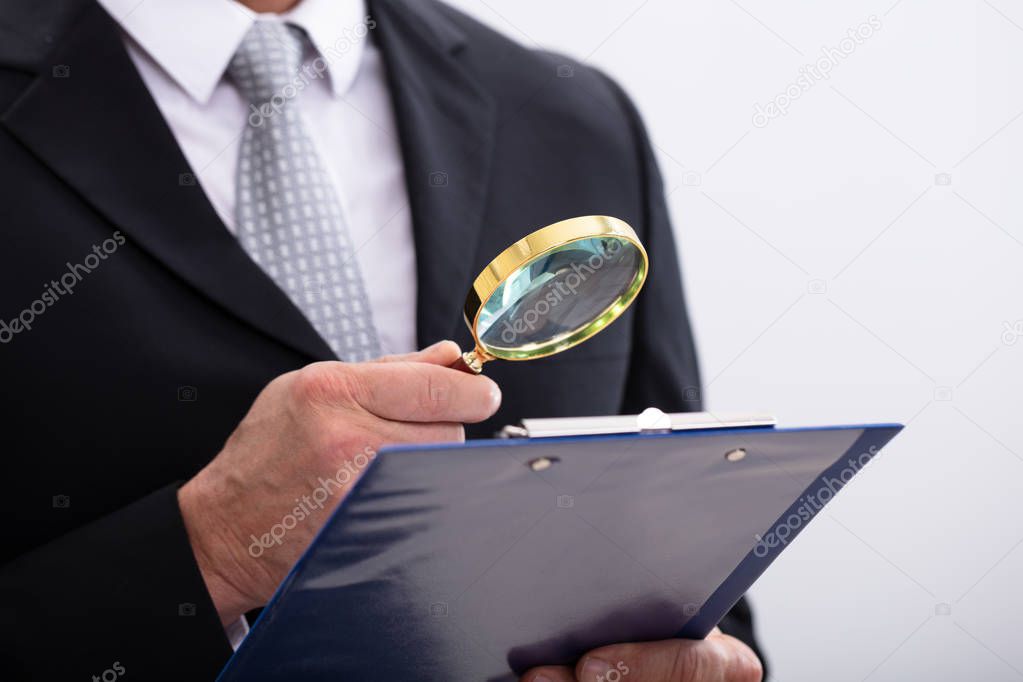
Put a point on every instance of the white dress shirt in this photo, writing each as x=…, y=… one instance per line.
x=182, y=49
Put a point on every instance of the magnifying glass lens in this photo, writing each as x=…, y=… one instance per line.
x=560, y=298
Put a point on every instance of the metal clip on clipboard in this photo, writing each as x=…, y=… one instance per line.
x=651, y=420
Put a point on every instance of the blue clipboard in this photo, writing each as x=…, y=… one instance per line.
x=481, y=560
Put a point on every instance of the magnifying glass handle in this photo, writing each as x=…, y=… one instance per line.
x=470, y=363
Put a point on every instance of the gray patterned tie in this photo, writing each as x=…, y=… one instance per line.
x=288, y=216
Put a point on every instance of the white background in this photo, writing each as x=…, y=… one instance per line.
x=918, y=280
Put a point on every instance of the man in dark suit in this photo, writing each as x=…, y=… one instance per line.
x=167, y=391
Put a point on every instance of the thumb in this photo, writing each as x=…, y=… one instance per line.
x=442, y=353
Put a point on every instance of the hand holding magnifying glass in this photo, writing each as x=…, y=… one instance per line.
x=553, y=289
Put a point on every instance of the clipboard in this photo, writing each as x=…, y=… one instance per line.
x=480, y=560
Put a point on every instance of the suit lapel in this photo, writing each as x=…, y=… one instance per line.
x=446, y=123
x=101, y=132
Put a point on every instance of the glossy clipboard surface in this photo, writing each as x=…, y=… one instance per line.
x=463, y=563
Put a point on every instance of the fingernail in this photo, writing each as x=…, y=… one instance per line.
x=594, y=668
x=542, y=678
x=495, y=395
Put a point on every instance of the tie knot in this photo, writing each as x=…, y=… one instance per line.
x=267, y=61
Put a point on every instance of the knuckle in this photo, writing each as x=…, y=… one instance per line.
x=723, y=659
x=688, y=663
x=327, y=383
x=432, y=396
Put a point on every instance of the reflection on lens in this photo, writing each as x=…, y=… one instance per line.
x=550, y=298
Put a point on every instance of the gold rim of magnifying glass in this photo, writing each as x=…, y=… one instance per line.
x=532, y=246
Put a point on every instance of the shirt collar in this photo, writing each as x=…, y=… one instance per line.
x=193, y=40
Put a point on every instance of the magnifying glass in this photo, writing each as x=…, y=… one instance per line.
x=553, y=289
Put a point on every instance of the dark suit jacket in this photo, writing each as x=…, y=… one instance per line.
x=123, y=387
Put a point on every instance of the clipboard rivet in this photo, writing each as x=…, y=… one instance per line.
x=542, y=463
x=736, y=455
